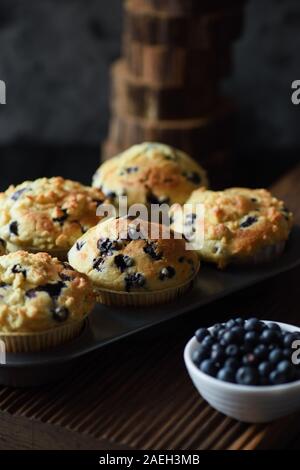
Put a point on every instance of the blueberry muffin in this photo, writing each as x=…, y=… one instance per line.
x=47, y=215
x=3, y=250
x=240, y=225
x=150, y=173
x=43, y=301
x=133, y=263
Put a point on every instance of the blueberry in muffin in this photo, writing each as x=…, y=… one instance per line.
x=150, y=173
x=135, y=271
x=43, y=301
x=240, y=225
x=47, y=215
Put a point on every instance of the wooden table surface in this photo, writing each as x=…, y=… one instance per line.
x=136, y=394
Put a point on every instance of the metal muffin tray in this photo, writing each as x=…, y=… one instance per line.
x=109, y=324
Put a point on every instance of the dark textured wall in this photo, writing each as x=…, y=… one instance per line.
x=267, y=61
x=54, y=56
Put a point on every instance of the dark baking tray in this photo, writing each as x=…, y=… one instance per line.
x=109, y=324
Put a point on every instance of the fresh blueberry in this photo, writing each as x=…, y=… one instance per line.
x=274, y=326
x=223, y=342
x=287, y=368
x=226, y=375
x=233, y=336
x=265, y=368
x=208, y=341
x=201, y=334
x=253, y=324
x=276, y=355
x=247, y=376
x=239, y=321
x=216, y=328
x=232, y=350
x=217, y=347
x=225, y=338
x=252, y=337
x=261, y=352
x=249, y=360
x=167, y=273
x=221, y=332
x=287, y=353
x=288, y=339
x=208, y=367
x=278, y=378
x=270, y=337
x=218, y=356
x=199, y=355
x=230, y=323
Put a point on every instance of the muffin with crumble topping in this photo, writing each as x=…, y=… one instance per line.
x=150, y=173
x=43, y=301
x=47, y=215
x=134, y=262
x=240, y=225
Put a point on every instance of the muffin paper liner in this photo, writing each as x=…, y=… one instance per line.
x=139, y=299
x=41, y=341
x=265, y=254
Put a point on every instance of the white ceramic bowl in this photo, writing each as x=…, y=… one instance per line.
x=251, y=404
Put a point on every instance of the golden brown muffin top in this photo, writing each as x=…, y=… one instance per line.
x=150, y=173
x=38, y=292
x=115, y=257
x=238, y=222
x=48, y=214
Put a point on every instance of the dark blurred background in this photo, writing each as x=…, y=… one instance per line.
x=54, y=58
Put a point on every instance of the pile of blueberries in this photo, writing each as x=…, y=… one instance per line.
x=247, y=352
